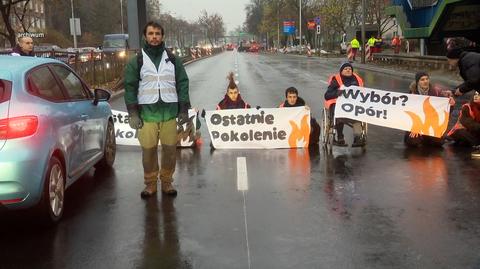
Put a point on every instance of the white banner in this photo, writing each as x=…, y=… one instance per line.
x=259, y=128
x=127, y=136
x=427, y=115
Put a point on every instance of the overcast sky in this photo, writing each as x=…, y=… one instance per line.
x=232, y=11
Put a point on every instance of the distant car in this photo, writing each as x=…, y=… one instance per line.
x=230, y=47
x=53, y=129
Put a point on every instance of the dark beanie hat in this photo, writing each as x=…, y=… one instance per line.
x=454, y=53
x=345, y=65
x=419, y=75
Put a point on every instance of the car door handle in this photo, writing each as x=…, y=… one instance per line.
x=84, y=116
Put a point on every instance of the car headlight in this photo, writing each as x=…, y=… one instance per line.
x=122, y=54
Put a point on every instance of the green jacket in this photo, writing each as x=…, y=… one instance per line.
x=371, y=41
x=159, y=111
x=355, y=44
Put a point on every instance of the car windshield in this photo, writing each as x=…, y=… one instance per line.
x=114, y=43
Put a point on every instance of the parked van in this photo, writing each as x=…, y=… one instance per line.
x=115, y=44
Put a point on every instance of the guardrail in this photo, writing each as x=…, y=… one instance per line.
x=101, y=69
x=414, y=62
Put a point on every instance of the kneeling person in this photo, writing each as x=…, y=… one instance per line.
x=293, y=100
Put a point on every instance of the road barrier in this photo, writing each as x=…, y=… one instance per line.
x=413, y=62
x=99, y=69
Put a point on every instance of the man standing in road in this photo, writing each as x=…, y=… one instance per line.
x=24, y=47
x=156, y=92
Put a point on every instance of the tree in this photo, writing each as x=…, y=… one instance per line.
x=17, y=8
x=213, y=25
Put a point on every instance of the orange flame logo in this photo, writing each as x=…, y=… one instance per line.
x=432, y=121
x=299, y=134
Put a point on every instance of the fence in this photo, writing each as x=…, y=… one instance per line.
x=101, y=69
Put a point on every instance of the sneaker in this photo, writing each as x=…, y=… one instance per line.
x=476, y=154
x=149, y=191
x=358, y=142
x=168, y=189
x=340, y=142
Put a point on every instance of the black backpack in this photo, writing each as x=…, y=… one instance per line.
x=170, y=55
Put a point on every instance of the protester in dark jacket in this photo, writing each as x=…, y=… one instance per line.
x=24, y=47
x=232, y=99
x=293, y=100
x=469, y=66
x=467, y=130
x=346, y=77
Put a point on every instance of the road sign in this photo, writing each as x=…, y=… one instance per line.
x=318, y=29
x=77, y=31
x=311, y=25
x=317, y=20
x=289, y=26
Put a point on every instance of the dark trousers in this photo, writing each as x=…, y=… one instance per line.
x=422, y=140
x=466, y=137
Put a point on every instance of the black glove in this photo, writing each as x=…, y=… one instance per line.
x=203, y=113
x=134, y=119
x=258, y=107
x=183, y=112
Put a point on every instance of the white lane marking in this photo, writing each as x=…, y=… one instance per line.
x=246, y=230
x=242, y=185
x=242, y=177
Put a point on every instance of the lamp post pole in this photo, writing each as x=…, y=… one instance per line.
x=363, y=31
x=121, y=15
x=300, y=21
x=74, y=27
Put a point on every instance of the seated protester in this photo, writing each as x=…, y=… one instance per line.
x=293, y=100
x=232, y=99
x=467, y=129
x=348, y=78
x=422, y=86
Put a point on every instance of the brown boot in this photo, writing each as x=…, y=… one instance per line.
x=150, y=190
x=168, y=189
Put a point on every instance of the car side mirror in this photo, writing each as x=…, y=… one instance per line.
x=100, y=95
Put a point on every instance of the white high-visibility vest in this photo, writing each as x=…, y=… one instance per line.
x=155, y=83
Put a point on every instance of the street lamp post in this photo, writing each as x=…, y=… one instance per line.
x=363, y=31
x=121, y=15
x=74, y=27
x=300, y=21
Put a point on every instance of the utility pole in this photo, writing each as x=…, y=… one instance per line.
x=363, y=31
x=74, y=27
x=300, y=22
x=121, y=15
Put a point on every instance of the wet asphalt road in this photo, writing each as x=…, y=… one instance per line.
x=385, y=207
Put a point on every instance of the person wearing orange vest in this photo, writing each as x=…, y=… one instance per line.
x=293, y=100
x=232, y=99
x=346, y=77
x=467, y=129
x=396, y=43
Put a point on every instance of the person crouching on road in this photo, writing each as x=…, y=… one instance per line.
x=422, y=86
x=346, y=77
x=156, y=93
x=232, y=99
x=467, y=129
x=293, y=100
x=24, y=47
